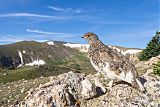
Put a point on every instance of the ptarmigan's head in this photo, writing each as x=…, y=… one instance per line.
x=90, y=37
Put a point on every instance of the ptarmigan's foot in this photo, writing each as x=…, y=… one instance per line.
x=138, y=85
x=112, y=83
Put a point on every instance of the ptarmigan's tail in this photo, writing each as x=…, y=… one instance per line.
x=140, y=86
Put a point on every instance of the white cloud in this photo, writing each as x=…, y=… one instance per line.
x=56, y=8
x=43, y=32
x=59, y=9
x=56, y=34
x=36, y=35
x=35, y=15
x=24, y=15
x=10, y=39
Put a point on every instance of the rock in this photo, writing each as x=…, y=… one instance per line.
x=126, y=97
x=100, y=85
x=148, y=64
x=77, y=90
x=88, y=89
x=153, y=86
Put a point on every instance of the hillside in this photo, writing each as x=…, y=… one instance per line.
x=30, y=59
x=29, y=53
x=25, y=52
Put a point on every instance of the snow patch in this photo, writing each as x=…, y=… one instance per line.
x=19, y=65
x=36, y=62
x=81, y=47
x=84, y=48
x=131, y=51
x=24, y=51
x=119, y=50
x=50, y=42
x=21, y=58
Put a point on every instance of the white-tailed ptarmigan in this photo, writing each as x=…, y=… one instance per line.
x=110, y=63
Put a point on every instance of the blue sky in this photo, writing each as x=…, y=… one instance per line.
x=129, y=23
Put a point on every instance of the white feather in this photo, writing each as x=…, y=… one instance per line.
x=129, y=77
x=104, y=70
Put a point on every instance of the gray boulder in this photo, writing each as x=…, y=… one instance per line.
x=77, y=90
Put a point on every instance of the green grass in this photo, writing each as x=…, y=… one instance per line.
x=156, y=69
x=83, y=63
x=16, y=74
x=12, y=91
x=32, y=73
x=79, y=63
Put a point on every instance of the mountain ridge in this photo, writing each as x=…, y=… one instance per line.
x=10, y=55
x=39, y=53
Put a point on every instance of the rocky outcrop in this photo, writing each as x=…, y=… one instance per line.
x=147, y=66
x=77, y=90
x=150, y=63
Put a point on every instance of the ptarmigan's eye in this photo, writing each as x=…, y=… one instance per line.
x=87, y=36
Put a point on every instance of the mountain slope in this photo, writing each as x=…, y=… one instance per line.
x=52, y=58
x=25, y=52
x=17, y=60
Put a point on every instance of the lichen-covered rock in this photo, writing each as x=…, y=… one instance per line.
x=122, y=95
x=60, y=92
x=88, y=89
x=148, y=64
x=77, y=90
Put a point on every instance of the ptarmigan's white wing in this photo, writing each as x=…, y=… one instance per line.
x=117, y=61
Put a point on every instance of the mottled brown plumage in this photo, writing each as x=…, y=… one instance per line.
x=111, y=63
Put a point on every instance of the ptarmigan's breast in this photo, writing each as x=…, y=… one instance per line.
x=103, y=68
